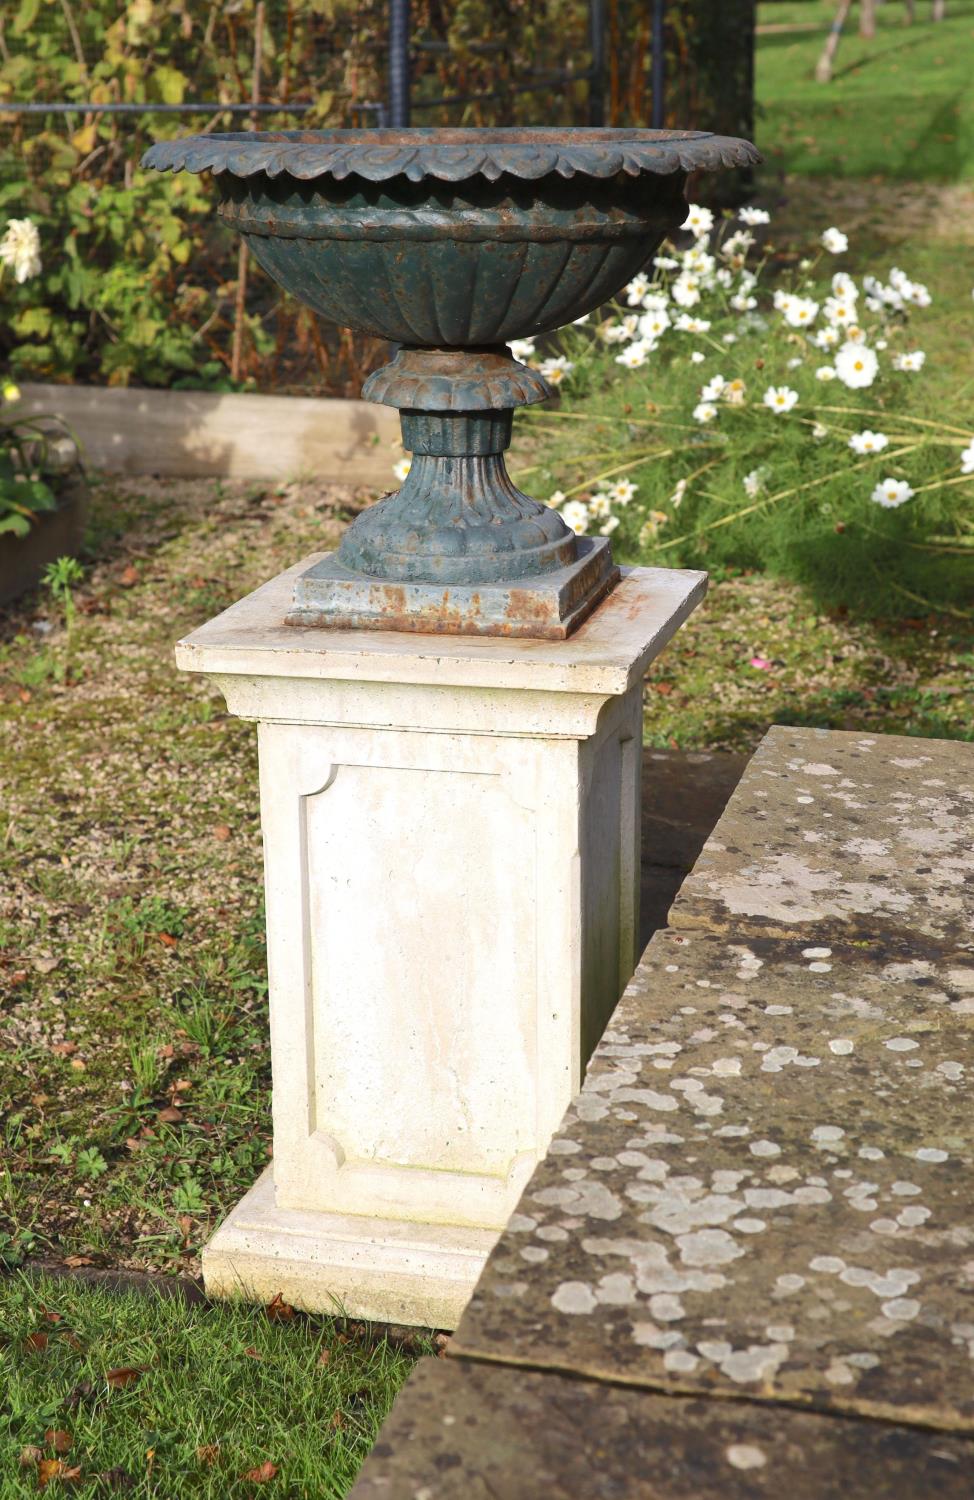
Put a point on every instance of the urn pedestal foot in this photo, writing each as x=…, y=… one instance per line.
x=451, y=846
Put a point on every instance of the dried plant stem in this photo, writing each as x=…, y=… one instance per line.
x=766, y=500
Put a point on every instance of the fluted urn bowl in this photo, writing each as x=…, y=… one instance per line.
x=451, y=243
x=453, y=238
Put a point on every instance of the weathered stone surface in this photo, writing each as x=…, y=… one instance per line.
x=844, y=837
x=763, y=1189
x=470, y=1432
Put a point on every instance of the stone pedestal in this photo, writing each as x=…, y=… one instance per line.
x=451, y=829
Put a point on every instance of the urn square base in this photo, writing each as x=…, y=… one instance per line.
x=387, y=1270
x=546, y=605
x=451, y=859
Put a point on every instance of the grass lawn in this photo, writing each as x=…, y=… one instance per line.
x=120, y=1393
x=899, y=106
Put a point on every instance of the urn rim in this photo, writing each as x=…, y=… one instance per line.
x=452, y=154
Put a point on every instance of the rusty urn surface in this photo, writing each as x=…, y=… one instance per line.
x=451, y=242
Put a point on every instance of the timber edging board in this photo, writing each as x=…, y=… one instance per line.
x=750, y=1238
x=195, y=434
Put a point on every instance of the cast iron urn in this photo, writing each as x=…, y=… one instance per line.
x=449, y=243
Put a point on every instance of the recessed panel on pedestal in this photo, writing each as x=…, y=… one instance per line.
x=422, y=967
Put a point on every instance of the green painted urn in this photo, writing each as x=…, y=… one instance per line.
x=449, y=243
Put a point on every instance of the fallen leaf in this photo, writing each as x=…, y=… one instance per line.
x=53, y=1468
x=262, y=1474
x=46, y=965
x=166, y=1050
x=39, y=1100
x=183, y=1084
x=51, y=1315
x=278, y=1310
x=79, y=1064
x=221, y=832
x=36, y=1341
x=18, y=976
x=171, y=1115
x=30, y=1455
x=58, y=1439
x=337, y=1419
x=251, y=1353
x=125, y=1375
x=324, y=1356
x=64, y=1049
x=78, y=1260
x=208, y=1453
x=128, y=577
x=117, y=1479
x=24, y=695
x=167, y=939
x=72, y=1339
x=663, y=687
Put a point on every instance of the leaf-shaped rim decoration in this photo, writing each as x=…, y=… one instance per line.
x=451, y=155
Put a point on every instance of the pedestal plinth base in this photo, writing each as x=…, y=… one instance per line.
x=451, y=847
x=389, y=1270
x=546, y=605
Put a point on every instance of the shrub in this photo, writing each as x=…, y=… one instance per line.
x=780, y=426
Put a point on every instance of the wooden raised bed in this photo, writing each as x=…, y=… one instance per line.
x=54, y=534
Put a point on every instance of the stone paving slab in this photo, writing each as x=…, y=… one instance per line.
x=843, y=837
x=472, y=1432
x=763, y=1190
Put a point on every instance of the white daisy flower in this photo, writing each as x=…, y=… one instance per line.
x=622, y=491
x=834, y=241
x=856, y=366
x=754, y=216
x=686, y=290
x=839, y=313
x=401, y=468
x=967, y=460
x=556, y=498
x=656, y=301
x=634, y=355
x=891, y=493
x=743, y=302
x=555, y=370
x=696, y=358
x=825, y=372
x=652, y=325
x=686, y=324
x=820, y=431
x=734, y=392
x=617, y=333
x=600, y=506
x=705, y=412
x=637, y=289
x=609, y=527
x=666, y=263
x=754, y=483
x=844, y=289
x=780, y=398
x=826, y=338
x=910, y=362
x=575, y=515
x=867, y=442
x=713, y=388
x=699, y=221
x=521, y=349
x=20, y=249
